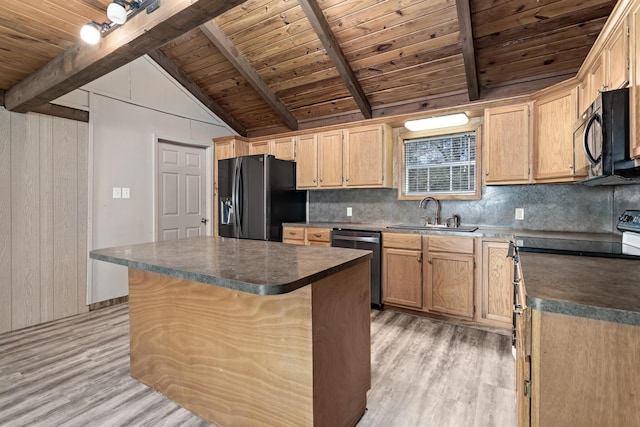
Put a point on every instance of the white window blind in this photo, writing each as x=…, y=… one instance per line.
x=442, y=164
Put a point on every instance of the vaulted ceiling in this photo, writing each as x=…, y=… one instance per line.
x=268, y=66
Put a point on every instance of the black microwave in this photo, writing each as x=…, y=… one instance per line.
x=603, y=134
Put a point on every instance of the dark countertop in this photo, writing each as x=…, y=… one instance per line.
x=482, y=231
x=254, y=266
x=598, y=288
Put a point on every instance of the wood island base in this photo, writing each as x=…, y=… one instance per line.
x=239, y=359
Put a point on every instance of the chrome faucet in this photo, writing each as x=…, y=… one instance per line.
x=425, y=202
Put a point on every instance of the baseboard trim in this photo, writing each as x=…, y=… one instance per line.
x=108, y=303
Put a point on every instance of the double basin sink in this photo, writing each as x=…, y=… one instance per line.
x=467, y=229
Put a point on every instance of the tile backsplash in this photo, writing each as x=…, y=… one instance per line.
x=552, y=207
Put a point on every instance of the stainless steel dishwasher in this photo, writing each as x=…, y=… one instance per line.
x=370, y=241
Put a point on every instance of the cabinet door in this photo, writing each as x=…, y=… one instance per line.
x=497, y=286
x=596, y=78
x=224, y=150
x=284, y=148
x=307, y=161
x=364, y=156
x=449, y=287
x=617, y=58
x=507, y=144
x=330, y=159
x=260, y=147
x=634, y=91
x=402, y=277
x=553, y=144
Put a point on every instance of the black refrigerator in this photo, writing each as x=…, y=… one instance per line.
x=256, y=194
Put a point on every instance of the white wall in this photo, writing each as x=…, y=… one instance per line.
x=130, y=109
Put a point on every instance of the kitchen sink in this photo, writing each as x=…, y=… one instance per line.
x=467, y=228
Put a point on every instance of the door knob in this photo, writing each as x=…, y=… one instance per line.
x=204, y=220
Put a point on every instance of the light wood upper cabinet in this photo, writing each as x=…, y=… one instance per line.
x=554, y=119
x=284, y=148
x=507, y=144
x=359, y=157
x=610, y=69
x=307, y=161
x=330, y=151
x=616, y=58
x=368, y=156
x=449, y=276
x=497, y=287
x=402, y=270
x=260, y=147
x=634, y=92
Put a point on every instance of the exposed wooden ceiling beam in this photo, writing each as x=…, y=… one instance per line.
x=226, y=47
x=63, y=112
x=83, y=63
x=187, y=82
x=468, y=51
x=325, y=34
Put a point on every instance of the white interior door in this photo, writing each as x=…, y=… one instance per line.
x=181, y=191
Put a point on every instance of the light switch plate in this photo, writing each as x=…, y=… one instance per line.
x=126, y=192
x=117, y=192
x=519, y=214
x=349, y=211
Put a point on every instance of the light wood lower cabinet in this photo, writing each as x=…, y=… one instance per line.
x=402, y=270
x=449, y=274
x=496, y=290
x=318, y=236
x=306, y=236
x=293, y=235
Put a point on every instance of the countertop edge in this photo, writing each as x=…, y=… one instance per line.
x=253, y=288
x=607, y=314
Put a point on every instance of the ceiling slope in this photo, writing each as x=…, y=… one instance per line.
x=276, y=65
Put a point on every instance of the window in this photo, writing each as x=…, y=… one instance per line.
x=443, y=166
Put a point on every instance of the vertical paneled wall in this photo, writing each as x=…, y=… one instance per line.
x=43, y=219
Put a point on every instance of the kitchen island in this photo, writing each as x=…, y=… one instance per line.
x=577, y=341
x=245, y=332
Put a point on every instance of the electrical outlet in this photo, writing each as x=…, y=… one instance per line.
x=117, y=193
x=126, y=192
x=349, y=211
x=519, y=214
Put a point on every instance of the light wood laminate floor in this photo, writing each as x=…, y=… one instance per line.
x=75, y=372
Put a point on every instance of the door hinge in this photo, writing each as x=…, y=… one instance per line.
x=527, y=389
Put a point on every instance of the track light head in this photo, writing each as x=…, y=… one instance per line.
x=90, y=33
x=117, y=12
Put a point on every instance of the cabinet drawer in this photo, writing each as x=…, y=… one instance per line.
x=292, y=233
x=403, y=241
x=318, y=235
x=462, y=245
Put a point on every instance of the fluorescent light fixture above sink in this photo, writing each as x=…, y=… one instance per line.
x=437, y=122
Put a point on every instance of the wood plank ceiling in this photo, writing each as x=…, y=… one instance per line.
x=268, y=66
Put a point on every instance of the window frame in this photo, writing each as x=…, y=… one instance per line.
x=472, y=126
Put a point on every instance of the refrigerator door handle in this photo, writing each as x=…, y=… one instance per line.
x=238, y=194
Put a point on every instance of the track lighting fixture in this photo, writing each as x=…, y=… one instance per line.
x=117, y=13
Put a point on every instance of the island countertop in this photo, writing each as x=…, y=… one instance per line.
x=597, y=288
x=254, y=266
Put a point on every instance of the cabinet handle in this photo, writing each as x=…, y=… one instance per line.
x=486, y=173
x=419, y=259
x=314, y=180
x=347, y=179
x=429, y=261
x=571, y=166
x=317, y=235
